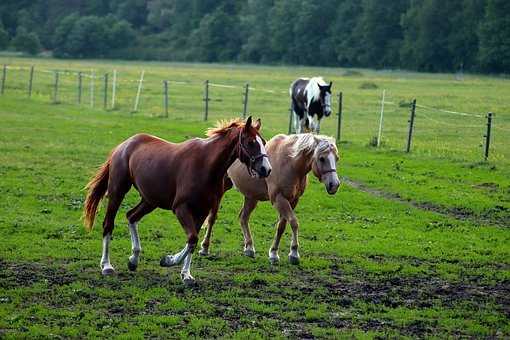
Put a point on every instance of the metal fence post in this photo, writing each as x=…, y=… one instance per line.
x=55, y=89
x=339, y=123
x=165, y=96
x=4, y=75
x=139, y=91
x=488, y=135
x=114, y=88
x=379, y=135
x=206, y=99
x=245, y=101
x=290, y=121
x=80, y=85
x=411, y=125
x=30, y=81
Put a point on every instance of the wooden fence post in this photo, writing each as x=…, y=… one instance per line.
x=4, y=75
x=245, y=100
x=339, y=123
x=80, y=85
x=114, y=88
x=290, y=120
x=165, y=96
x=105, y=98
x=206, y=99
x=30, y=81
x=379, y=134
x=55, y=89
x=411, y=126
x=138, y=92
x=488, y=135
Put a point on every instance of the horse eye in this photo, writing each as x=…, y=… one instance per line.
x=321, y=159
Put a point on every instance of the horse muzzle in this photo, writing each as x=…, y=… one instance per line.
x=331, y=182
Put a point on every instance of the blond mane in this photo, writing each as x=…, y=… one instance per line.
x=223, y=126
x=308, y=143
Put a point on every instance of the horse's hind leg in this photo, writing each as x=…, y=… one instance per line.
x=118, y=186
x=244, y=217
x=133, y=216
x=211, y=219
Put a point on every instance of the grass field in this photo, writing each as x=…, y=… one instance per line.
x=412, y=245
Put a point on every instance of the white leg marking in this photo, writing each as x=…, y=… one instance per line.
x=170, y=260
x=136, y=248
x=106, y=267
x=273, y=256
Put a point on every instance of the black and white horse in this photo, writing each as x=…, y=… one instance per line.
x=310, y=97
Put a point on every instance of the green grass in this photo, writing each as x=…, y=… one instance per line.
x=373, y=263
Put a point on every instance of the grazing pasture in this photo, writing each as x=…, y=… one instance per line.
x=411, y=245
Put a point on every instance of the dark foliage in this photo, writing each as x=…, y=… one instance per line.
x=427, y=35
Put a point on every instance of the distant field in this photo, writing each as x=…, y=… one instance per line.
x=412, y=245
x=437, y=133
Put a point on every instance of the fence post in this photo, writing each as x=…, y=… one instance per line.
x=105, y=98
x=206, y=99
x=290, y=121
x=30, y=81
x=165, y=96
x=80, y=85
x=339, y=123
x=55, y=89
x=4, y=75
x=381, y=119
x=245, y=101
x=411, y=125
x=488, y=135
x=137, y=100
x=114, y=88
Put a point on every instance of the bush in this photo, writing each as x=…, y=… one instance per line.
x=368, y=86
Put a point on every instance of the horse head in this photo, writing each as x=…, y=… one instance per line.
x=251, y=149
x=324, y=165
x=325, y=98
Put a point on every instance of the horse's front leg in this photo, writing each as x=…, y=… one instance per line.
x=187, y=221
x=244, y=217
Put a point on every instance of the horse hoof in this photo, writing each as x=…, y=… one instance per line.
x=293, y=260
x=166, y=261
x=132, y=266
x=274, y=260
x=108, y=271
x=249, y=253
x=189, y=281
x=203, y=252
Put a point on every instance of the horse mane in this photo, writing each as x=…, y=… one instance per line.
x=223, y=126
x=308, y=143
x=312, y=89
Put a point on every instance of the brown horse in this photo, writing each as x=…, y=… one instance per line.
x=292, y=158
x=186, y=178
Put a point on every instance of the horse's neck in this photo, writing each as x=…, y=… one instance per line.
x=221, y=153
x=303, y=164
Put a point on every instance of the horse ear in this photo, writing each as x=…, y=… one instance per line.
x=330, y=84
x=257, y=124
x=248, y=123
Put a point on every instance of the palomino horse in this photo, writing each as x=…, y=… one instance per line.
x=292, y=158
x=309, y=98
x=186, y=178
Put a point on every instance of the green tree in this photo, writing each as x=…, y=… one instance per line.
x=27, y=42
x=494, y=54
x=4, y=38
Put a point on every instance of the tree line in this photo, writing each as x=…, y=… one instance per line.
x=424, y=35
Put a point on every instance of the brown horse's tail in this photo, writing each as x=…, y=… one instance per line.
x=96, y=189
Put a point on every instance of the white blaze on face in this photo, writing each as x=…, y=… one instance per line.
x=327, y=100
x=265, y=160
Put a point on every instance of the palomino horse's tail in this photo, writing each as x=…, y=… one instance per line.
x=96, y=189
